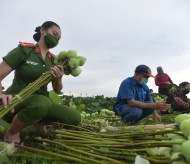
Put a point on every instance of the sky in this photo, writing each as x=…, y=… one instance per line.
x=114, y=35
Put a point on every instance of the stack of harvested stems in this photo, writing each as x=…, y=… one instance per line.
x=78, y=144
x=31, y=88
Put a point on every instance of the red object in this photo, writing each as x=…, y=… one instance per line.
x=37, y=50
x=24, y=44
x=50, y=55
x=180, y=102
x=160, y=80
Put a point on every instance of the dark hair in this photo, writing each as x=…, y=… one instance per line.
x=183, y=84
x=46, y=25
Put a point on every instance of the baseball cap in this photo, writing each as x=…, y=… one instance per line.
x=144, y=70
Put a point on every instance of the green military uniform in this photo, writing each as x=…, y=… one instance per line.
x=29, y=65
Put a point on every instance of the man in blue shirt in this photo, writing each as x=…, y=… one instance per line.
x=134, y=101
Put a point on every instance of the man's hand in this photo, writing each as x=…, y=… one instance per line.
x=157, y=117
x=162, y=106
x=5, y=100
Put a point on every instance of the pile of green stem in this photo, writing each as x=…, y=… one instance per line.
x=31, y=88
x=79, y=145
x=96, y=120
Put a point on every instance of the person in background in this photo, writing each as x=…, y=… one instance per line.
x=133, y=101
x=162, y=80
x=178, y=99
x=29, y=61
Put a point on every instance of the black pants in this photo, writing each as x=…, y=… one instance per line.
x=163, y=91
x=179, y=108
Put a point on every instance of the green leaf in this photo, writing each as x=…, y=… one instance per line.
x=54, y=97
x=71, y=103
x=4, y=159
x=102, y=101
x=79, y=108
x=93, y=109
x=77, y=100
x=96, y=104
x=172, y=88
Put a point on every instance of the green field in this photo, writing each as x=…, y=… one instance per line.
x=100, y=138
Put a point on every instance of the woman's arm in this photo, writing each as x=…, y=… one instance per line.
x=57, y=73
x=5, y=69
x=180, y=102
x=57, y=85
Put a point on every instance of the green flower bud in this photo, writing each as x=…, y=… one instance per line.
x=73, y=63
x=67, y=72
x=71, y=54
x=82, y=60
x=62, y=55
x=82, y=106
x=76, y=71
x=55, y=61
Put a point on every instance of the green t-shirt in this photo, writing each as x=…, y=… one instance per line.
x=28, y=65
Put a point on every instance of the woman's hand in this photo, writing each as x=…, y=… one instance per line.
x=5, y=100
x=57, y=72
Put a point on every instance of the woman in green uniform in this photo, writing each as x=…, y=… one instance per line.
x=30, y=61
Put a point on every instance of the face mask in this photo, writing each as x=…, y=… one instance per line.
x=144, y=81
x=51, y=41
x=186, y=91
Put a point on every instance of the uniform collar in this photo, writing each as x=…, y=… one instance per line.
x=37, y=51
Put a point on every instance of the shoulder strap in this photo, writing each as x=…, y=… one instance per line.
x=32, y=45
x=24, y=44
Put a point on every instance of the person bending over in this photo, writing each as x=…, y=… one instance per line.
x=133, y=101
x=162, y=80
x=178, y=99
x=29, y=61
